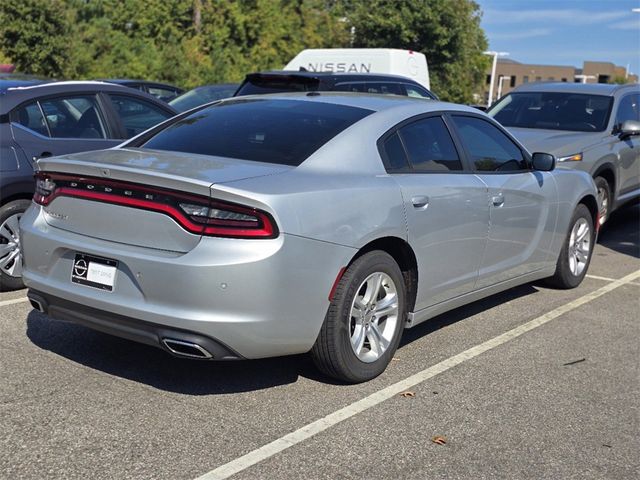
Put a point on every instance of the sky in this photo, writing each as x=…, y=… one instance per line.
x=564, y=32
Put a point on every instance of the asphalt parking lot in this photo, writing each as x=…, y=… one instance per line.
x=532, y=383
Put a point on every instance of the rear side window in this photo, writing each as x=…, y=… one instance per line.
x=395, y=154
x=489, y=148
x=370, y=87
x=283, y=132
x=31, y=117
x=74, y=117
x=137, y=115
x=164, y=94
x=429, y=146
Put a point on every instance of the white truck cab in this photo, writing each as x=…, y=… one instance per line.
x=363, y=60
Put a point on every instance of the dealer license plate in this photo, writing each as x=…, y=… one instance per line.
x=96, y=272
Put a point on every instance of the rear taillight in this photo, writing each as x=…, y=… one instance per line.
x=44, y=189
x=194, y=213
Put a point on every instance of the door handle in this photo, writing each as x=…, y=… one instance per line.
x=497, y=200
x=420, y=202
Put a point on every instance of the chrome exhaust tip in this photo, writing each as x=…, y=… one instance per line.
x=37, y=303
x=181, y=348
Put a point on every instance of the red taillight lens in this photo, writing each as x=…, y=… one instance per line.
x=196, y=214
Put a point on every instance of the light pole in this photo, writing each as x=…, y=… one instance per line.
x=493, y=71
x=501, y=79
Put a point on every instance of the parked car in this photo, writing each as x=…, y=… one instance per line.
x=386, y=61
x=283, y=81
x=162, y=91
x=42, y=120
x=589, y=127
x=201, y=95
x=275, y=225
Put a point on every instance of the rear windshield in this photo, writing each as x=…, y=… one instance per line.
x=284, y=132
x=553, y=111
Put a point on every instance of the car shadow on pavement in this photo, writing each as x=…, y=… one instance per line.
x=621, y=232
x=154, y=367
x=466, y=311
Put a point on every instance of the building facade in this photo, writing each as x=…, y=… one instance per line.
x=510, y=74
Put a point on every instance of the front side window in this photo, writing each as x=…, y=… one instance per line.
x=629, y=109
x=137, y=115
x=553, y=111
x=283, y=132
x=416, y=92
x=429, y=146
x=30, y=116
x=489, y=148
x=74, y=117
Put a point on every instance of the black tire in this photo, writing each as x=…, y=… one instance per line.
x=564, y=277
x=605, y=208
x=17, y=207
x=332, y=352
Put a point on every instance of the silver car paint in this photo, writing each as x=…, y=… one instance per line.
x=269, y=297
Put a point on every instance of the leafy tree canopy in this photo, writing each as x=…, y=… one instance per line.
x=194, y=42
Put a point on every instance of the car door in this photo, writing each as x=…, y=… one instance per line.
x=446, y=207
x=135, y=115
x=522, y=202
x=628, y=148
x=60, y=125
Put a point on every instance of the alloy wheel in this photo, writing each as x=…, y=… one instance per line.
x=603, y=201
x=373, y=317
x=10, y=251
x=579, y=246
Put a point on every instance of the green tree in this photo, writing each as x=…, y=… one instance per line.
x=34, y=34
x=447, y=32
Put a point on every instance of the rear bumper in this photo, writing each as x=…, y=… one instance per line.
x=257, y=298
x=129, y=328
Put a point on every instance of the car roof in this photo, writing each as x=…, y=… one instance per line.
x=7, y=84
x=14, y=96
x=369, y=101
x=566, y=87
x=129, y=81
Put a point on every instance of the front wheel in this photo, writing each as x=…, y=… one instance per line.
x=363, y=325
x=575, y=256
x=604, y=199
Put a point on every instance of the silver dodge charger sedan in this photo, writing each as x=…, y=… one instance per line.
x=288, y=223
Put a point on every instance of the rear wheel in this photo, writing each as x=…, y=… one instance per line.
x=365, y=320
x=575, y=256
x=604, y=198
x=10, y=250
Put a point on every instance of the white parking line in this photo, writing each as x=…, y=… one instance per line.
x=14, y=301
x=313, y=428
x=607, y=279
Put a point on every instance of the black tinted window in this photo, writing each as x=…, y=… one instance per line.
x=137, y=115
x=553, y=111
x=275, y=131
x=416, y=92
x=383, y=88
x=74, y=117
x=31, y=117
x=489, y=148
x=277, y=84
x=430, y=146
x=396, y=157
x=629, y=109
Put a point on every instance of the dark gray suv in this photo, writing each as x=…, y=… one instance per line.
x=590, y=127
x=48, y=119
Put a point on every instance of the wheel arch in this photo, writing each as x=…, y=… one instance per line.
x=404, y=256
x=591, y=203
x=608, y=172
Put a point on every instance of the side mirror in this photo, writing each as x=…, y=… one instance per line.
x=629, y=128
x=543, y=162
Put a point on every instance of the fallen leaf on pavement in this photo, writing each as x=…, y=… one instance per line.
x=407, y=394
x=439, y=439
